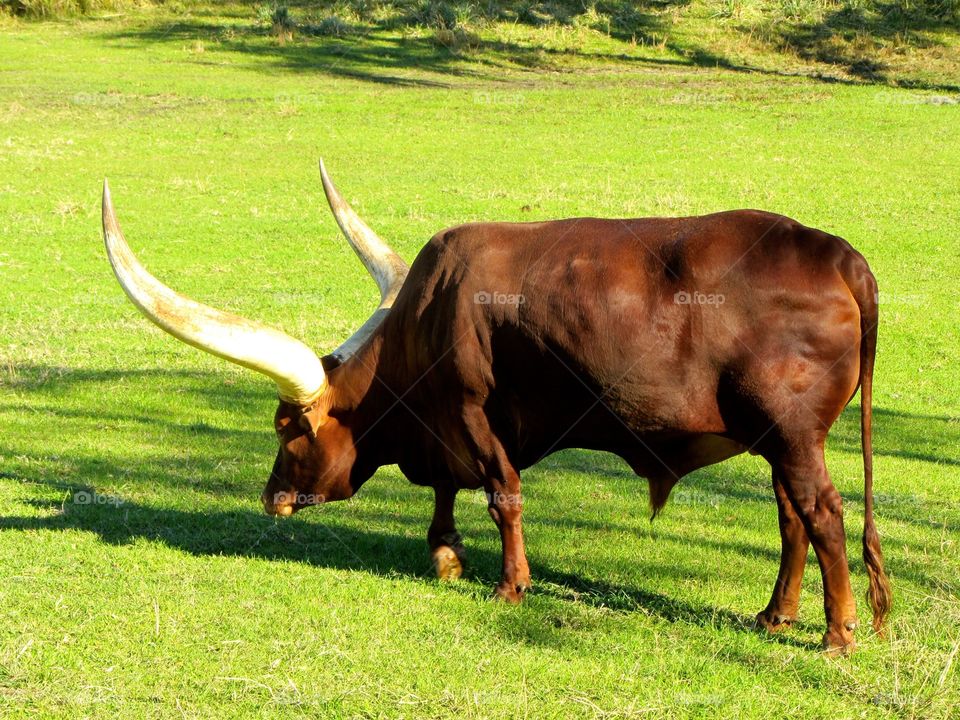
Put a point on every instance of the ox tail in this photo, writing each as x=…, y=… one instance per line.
x=879, y=594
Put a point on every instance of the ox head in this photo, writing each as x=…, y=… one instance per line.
x=317, y=454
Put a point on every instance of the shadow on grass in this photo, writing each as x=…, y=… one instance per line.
x=908, y=436
x=386, y=51
x=388, y=543
x=57, y=380
x=851, y=36
x=337, y=545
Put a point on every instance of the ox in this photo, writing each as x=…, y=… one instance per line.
x=672, y=343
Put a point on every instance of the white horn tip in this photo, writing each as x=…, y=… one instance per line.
x=323, y=175
x=329, y=189
x=108, y=216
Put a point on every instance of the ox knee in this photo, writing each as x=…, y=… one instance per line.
x=821, y=511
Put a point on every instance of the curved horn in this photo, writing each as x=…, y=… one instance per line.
x=292, y=365
x=387, y=268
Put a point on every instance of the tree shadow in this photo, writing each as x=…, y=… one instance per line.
x=372, y=57
x=390, y=542
x=55, y=380
x=849, y=37
x=904, y=435
x=897, y=434
x=373, y=51
x=192, y=446
x=334, y=544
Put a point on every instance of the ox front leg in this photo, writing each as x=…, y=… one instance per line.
x=820, y=509
x=505, y=504
x=783, y=608
x=446, y=544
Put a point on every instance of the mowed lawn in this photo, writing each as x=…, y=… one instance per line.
x=169, y=594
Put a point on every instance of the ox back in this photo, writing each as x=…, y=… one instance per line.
x=674, y=343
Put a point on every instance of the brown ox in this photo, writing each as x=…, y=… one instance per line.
x=673, y=343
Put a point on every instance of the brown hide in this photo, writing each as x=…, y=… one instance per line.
x=673, y=343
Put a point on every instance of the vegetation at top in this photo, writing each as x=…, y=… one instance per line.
x=900, y=42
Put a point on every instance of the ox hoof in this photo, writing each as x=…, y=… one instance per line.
x=774, y=622
x=510, y=592
x=448, y=561
x=838, y=643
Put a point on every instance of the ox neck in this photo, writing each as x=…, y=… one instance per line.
x=361, y=398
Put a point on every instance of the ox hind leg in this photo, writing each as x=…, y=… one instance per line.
x=783, y=608
x=490, y=467
x=817, y=503
x=446, y=544
x=505, y=505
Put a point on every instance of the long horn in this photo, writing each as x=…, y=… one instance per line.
x=387, y=268
x=294, y=367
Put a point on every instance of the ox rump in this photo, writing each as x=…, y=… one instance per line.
x=674, y=343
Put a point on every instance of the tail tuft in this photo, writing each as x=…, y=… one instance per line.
x=879, y=595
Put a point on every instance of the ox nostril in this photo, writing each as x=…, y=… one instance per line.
x=277, y=503
x=269, y=506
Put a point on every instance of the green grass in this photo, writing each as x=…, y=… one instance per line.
x=173, y=596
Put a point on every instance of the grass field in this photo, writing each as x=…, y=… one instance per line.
x=138, y=576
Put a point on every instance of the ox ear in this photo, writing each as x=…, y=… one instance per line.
x=330, y=363
x=309, y=424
